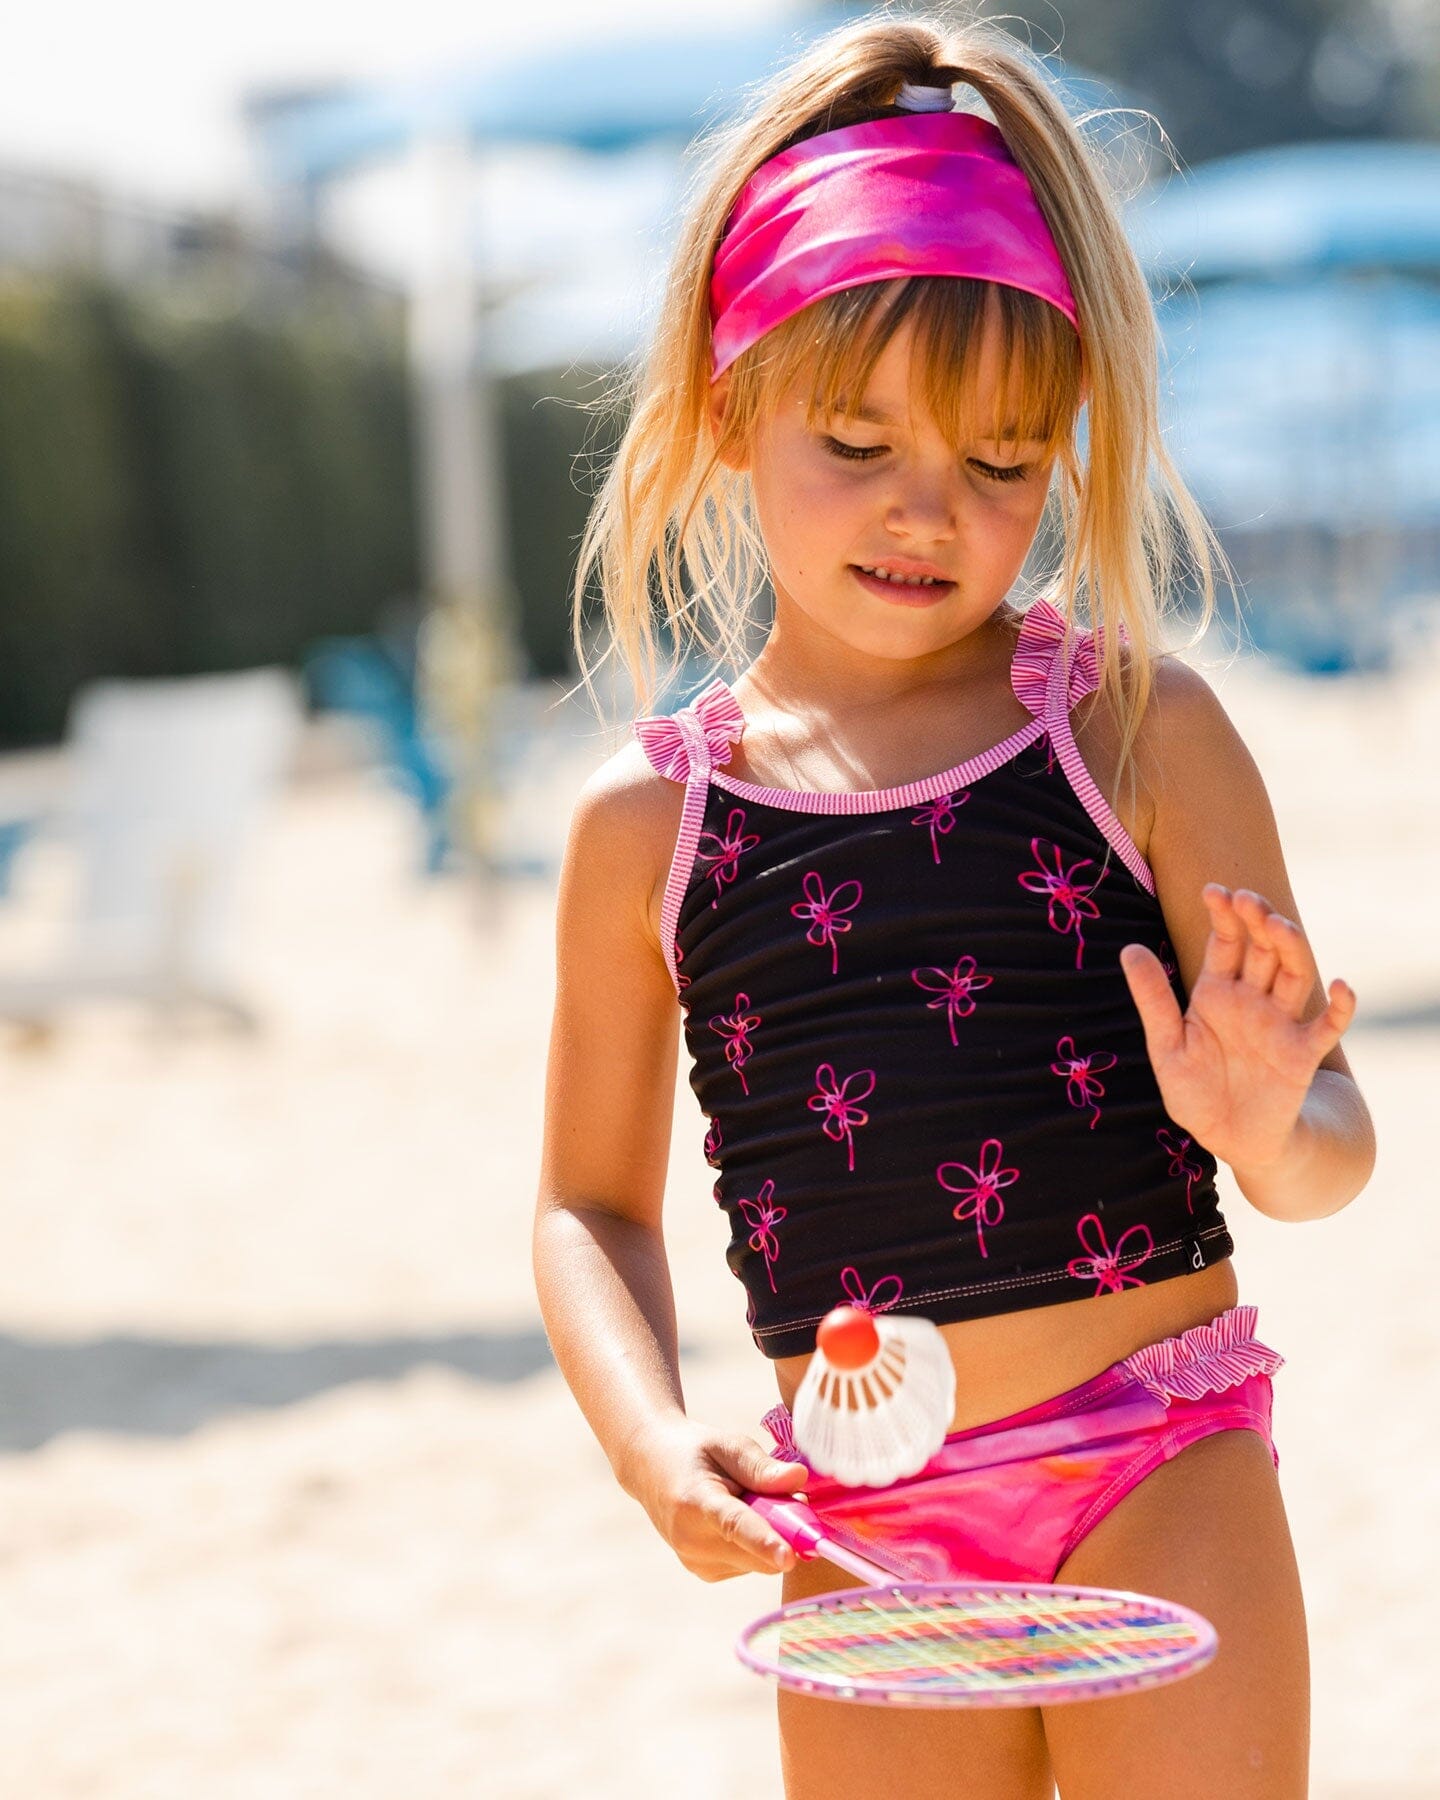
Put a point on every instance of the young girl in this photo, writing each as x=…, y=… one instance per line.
x=969, y=1044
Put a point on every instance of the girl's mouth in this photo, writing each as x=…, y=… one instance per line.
x=902, y=593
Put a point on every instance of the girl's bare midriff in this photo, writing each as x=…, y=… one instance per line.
x=1016, y=1360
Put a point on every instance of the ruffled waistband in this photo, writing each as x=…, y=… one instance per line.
x=1206, y=1359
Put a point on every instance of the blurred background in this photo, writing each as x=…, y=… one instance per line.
x=304, y=313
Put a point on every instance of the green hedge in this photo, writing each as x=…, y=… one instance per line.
x=185, y=489
x=182, y=493
x=556, y=446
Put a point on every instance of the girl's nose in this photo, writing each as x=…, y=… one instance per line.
x=926, y=510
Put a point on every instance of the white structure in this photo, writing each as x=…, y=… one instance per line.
x=169, y=779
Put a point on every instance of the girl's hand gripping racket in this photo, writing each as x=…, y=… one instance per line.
x=936, y=1643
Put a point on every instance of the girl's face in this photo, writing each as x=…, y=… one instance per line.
x=889, y=493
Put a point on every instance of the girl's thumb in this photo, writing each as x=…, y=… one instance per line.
x=769, y=1475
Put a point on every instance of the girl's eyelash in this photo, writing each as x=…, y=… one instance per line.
x=851, y=452
x=857, y=453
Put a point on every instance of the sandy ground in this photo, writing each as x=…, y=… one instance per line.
x=286, y=1473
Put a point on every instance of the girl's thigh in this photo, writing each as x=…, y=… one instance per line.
x=1207, y=1529
x=833, y=1747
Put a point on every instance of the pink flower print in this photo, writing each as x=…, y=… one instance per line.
x=871, y=1302
x=735, y=1028
x=724, y=858
x=1064, y=890
x=1179, y=1163
x=762, y=1215
x=712, y=1144
x=981, y=1200
x=681, y=981
x=1166, y=955
x=824, y=912
x=1110, y=1269
x=1080, y=1071
x=939, y=815
x=839, y=1105
x=953, y=991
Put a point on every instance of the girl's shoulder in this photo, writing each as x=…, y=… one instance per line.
x=623, y=828
x=1188, y=750
x=634, y=799
x=628, y=789
x=1182, y=714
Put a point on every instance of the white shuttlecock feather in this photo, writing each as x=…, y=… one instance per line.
x=868, y=1425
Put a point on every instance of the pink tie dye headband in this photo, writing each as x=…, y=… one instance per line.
x=925, y=193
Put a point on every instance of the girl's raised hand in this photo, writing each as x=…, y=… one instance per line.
x=689, y=1479
x=1235, y=1069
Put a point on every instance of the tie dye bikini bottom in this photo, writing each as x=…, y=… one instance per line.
x=1009, y=1501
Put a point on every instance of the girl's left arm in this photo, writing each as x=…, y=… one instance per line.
x=1253, y=1069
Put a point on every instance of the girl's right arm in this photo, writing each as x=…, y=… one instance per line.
x=598, y=1251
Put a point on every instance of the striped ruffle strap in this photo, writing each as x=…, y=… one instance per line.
x=1206, y=1359
x=1042, y=633
x=717, y=712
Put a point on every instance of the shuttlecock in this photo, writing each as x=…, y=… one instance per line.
x=877, y=1399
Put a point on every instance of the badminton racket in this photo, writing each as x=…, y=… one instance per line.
x=961, y=1643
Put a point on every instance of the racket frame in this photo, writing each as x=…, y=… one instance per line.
x=1024, y=1693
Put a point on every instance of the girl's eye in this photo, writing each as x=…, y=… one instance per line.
x=858, y=453
x=852, y=452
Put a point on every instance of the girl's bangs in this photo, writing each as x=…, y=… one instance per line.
x=829, y=351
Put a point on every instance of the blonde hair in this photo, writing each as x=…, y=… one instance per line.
x=672, y=530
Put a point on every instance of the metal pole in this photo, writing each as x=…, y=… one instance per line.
x=467, y=647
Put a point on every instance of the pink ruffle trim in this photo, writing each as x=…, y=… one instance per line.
x=1042, y=633
x=1206, y=1359
x=718, y=714
x=778, y=1423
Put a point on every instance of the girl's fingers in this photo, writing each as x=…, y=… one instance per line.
x=1154, y=999
x=1331, y=1025
x=1252, y=943
x=1290, y=975
x=1262, y=958
x=1225, y=947
x=1295, y=977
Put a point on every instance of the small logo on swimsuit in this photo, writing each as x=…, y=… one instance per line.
x=1197, y=1253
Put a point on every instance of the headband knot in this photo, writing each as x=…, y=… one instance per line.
x=919, y=193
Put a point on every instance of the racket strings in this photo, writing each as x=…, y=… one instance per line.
x=981, y=1641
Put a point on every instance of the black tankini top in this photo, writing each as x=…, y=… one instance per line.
x=925, y=1081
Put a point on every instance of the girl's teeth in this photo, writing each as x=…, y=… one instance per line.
x=902, y=580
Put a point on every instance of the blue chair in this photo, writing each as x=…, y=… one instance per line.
x=363, y=677
x=13, y=834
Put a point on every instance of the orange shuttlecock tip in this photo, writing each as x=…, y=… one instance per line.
x=848, y=1337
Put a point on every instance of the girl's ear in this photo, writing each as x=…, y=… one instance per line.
x=717, y=402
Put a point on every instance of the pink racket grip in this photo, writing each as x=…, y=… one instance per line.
x=793, y=1520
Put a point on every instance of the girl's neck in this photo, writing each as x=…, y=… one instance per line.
x=802, y=671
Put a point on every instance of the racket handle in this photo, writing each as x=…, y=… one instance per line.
x=801, y=1530
x=794, y=1524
